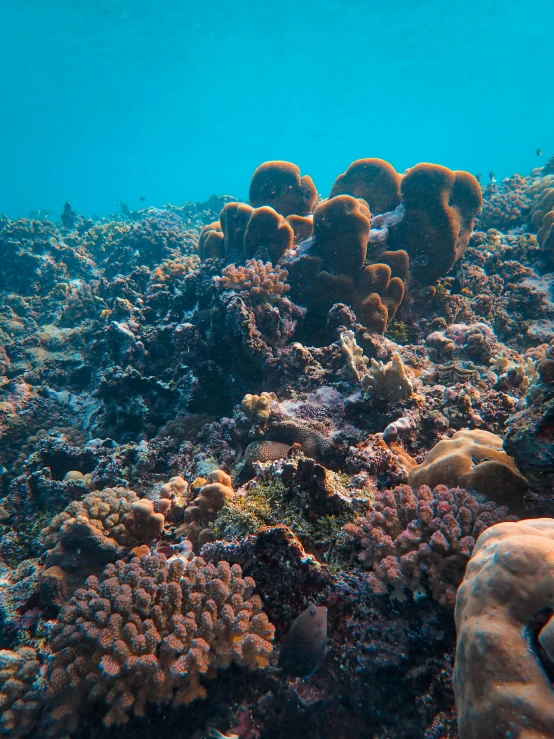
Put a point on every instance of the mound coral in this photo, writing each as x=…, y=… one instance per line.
x=142, y=522
x=502, y=687
x=475, y=460
x=421, y=541
x=203, y=509
x=257, y=407
x=147, y=632
x=280, y=185
x=388, y=381
x=440, y=208
x=265, y=283
x=373, y=180
x=330, y=268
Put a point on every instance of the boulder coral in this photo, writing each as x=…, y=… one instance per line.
x=473, y=459
x=281, y=186
x=149, y=631
x=202, y=511
x=440, y=209
x=503, y=672
x=331, y=269
x=373, y=180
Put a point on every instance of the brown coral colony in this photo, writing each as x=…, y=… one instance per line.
x=425, y=220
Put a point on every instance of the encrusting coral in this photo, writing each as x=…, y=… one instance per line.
x=473, y=459
x=420, y=541
x=388, y=381
x=148, y=632
x=505, y=649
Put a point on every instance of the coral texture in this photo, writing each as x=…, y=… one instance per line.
x=503, y=677
x=20, y=699
x=148, y=632
x=373, y=180
x=330, y=268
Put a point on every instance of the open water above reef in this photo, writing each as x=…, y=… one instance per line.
x=109, y=100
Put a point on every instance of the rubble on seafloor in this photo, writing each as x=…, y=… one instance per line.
x=248, y=450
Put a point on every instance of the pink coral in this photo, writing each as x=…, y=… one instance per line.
x=421, y=541
x=148, y=632
x=265, y=282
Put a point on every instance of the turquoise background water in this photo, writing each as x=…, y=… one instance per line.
x=109, y=100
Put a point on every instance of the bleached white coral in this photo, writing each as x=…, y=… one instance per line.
x=389, y=381
x=354, y=354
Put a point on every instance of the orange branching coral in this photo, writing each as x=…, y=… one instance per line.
x=374, y=180
x=280, y=185
x=265, y=283
x=148, y=632
x=172, y=270
x=440, y=208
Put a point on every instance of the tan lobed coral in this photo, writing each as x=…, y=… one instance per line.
x=473, y=459
x=264, y=282
x=148, y=631
x=354, y=354
x=388, y=381
x=526, y=374
x=19, y=693
x=501, y=687
x=257, y=407
x=203, y=510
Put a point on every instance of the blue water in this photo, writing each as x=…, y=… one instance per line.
x=109, y=100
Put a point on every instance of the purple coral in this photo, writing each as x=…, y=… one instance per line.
x=148, y=631
x=421, y=541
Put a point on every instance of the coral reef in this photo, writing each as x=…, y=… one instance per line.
x=388, y=381
x=504, y=624
x=336, y=394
